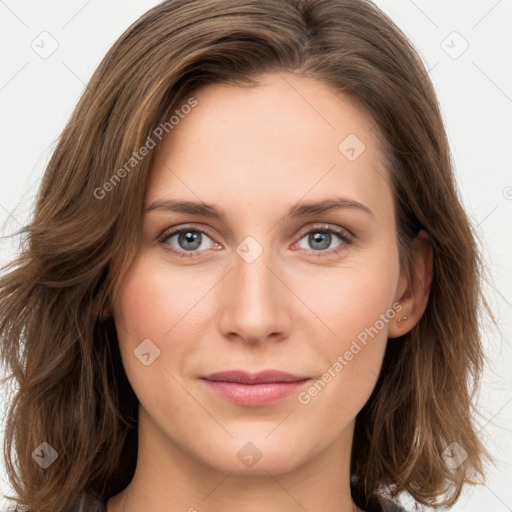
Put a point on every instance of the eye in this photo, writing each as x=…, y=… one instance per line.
x=189, y=241
x=321, y=237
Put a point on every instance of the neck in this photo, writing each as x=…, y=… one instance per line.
x=169, y=479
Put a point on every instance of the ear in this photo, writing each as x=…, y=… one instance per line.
x=106, y=311
x=413, y=288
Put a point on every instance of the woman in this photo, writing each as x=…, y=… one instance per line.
x=179, y=338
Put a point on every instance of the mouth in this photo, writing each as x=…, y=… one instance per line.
x=253, y=389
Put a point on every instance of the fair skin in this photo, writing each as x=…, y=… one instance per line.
x=253, y=153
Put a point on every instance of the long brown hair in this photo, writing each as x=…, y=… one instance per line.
x=72, y=391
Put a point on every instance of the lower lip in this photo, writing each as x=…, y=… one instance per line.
x=254, y=395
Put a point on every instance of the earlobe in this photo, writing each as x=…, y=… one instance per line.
x=398, y=326
x=401, y=320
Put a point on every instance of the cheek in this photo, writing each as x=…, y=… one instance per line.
x=353, y=299
x=139, y=312
x=158, y=304
x=153, y=299
x=149, y=304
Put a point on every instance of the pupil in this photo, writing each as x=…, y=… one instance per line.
x=190, y=237
x=321, y=237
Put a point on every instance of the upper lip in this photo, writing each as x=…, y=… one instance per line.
x=244, y=377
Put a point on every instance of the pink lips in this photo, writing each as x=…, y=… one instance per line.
x=253, y=389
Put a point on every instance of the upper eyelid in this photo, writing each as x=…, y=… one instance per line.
x=326, y=227
x=174, y=230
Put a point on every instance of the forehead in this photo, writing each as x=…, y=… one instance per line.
x=289, y=137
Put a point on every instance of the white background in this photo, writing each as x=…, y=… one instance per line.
x=475, y=90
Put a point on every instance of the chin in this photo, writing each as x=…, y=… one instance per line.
x=258, y=456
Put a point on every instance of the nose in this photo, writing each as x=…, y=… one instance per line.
x=255, y=301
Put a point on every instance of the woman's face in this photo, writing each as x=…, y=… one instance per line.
x=257, y=282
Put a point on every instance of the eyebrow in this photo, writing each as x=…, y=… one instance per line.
x=300, y=209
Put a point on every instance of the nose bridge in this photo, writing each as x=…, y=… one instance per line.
x=253, y=275
x=254, y=307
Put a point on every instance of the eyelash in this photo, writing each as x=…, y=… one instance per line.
x=344, y=235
